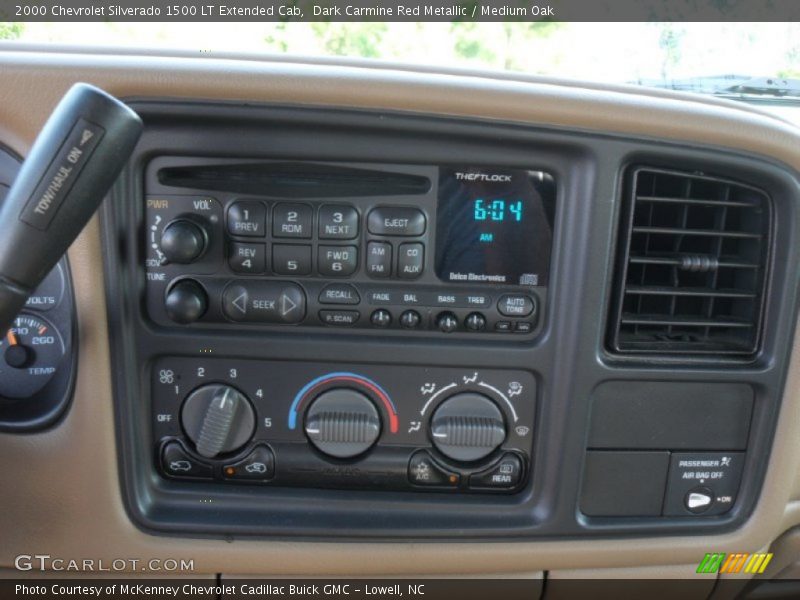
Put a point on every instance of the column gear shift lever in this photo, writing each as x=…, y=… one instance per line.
x=73, y=163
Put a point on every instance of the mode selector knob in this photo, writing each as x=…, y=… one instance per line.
x=342, y=423
x=467, y=427
x=183, y=241
x=218, y=419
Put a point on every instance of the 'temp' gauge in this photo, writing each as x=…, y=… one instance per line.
x=30, y=353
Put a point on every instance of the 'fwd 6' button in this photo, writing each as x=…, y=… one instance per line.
x=264, y=302
x=337, y=261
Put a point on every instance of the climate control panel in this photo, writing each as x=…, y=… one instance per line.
x=350, y=427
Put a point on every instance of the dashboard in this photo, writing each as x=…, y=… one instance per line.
x=400, y=323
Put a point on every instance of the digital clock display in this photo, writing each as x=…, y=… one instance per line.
x=494, y=226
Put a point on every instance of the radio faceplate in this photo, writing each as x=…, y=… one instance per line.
x=359, y=426
x=461, y=250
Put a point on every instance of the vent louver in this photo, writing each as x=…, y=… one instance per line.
x=692, y=274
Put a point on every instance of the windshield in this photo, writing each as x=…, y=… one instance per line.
x=698, y=57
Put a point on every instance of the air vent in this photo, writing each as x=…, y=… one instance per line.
x=692, y=272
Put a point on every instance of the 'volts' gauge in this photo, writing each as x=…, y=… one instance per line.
x=30, y=353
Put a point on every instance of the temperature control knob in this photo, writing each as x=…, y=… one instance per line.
x=218, y=419
x=342, y=423
x=467, y=427
x=183, y=241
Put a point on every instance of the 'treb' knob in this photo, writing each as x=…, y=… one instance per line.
x=186, y=301
x=467, y=427
x=342, y=423
x=183, y=241
x=218, y=419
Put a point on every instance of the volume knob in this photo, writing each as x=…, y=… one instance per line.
x=467, y=427
x=342, y=423
x=183, y=241
x=218, y=419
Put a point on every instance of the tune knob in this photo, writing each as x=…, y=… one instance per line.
x=218, y=419
x=342, y=423
x=183, y=241
x=467, y=427
x=186, y=301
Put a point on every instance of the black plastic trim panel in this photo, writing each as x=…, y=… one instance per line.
x=567, y=359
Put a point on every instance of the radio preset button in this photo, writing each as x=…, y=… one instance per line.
x=339, y=293
x=396, y=220
x=247, y=258
x=344, y=318
x=513, y=305
x=288, y=259
x=381, y=318
x=338, y=222
x=338, y=261
x=410, y=261
x=379, y=259
x=247, y=218
x=410, y=319
x=292, y=220
x=264, y=302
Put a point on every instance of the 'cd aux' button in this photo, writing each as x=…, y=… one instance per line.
x=264, y=302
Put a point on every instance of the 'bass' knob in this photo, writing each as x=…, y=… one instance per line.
x=467, y=427
x=342, y=423
x=218, y=419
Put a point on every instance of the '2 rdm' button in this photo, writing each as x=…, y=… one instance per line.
x=292, y=220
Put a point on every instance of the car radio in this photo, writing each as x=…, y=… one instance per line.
x=453, y=249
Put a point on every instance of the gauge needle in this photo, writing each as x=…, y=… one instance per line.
x=12, y=339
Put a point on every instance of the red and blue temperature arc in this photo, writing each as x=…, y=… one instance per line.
x=344, y=377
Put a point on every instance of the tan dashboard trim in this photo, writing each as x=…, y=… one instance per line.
x=61, y=493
